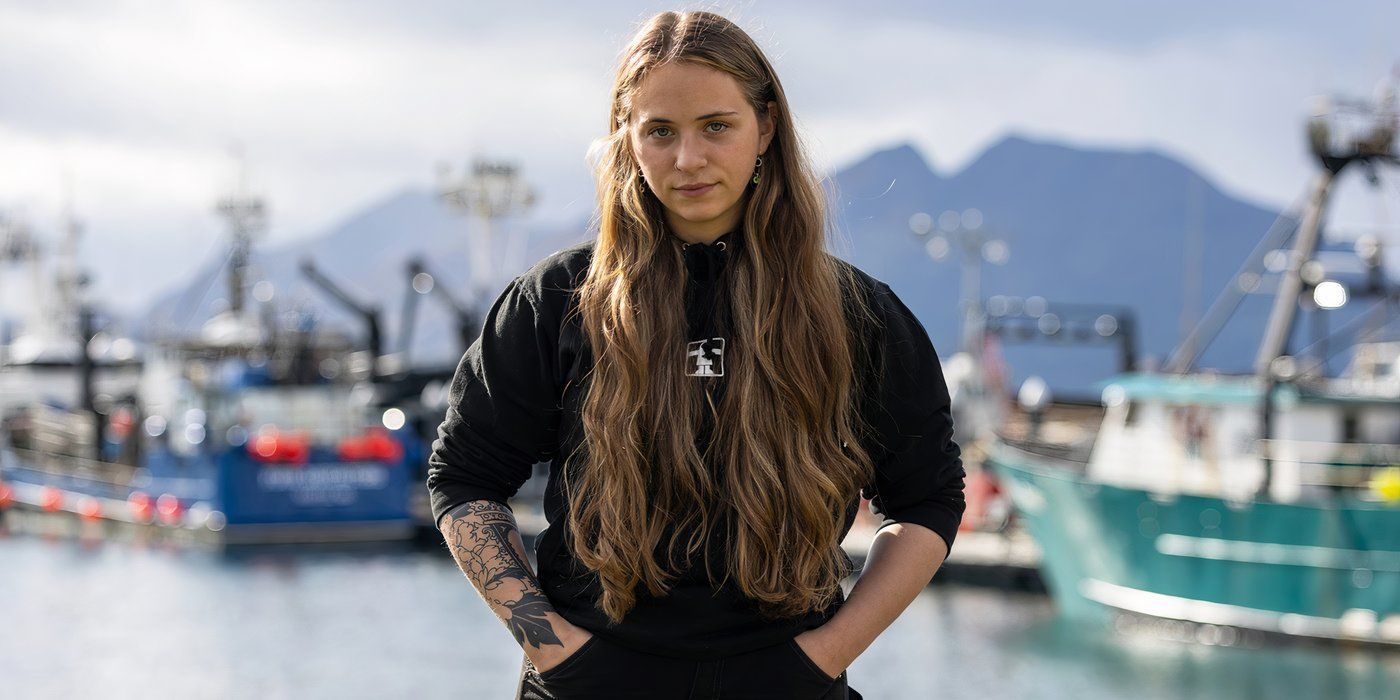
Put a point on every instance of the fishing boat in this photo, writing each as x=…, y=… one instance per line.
x=252, y=430
x=1243, y=505
x=40, y=358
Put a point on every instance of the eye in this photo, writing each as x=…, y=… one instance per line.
x=719, y=124
x=659, y=128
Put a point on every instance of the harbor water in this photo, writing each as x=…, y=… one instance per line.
x=134, y=618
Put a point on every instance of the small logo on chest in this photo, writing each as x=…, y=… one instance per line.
x=705, y=358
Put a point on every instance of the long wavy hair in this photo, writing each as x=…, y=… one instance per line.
x=787, y=455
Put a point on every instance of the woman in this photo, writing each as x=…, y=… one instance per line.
x=714, y=392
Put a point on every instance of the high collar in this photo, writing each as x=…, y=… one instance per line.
x=705, y=262
x=725, y=242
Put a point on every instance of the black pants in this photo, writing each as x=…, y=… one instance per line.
x=602, y=669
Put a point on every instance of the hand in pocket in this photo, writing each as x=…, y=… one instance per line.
x=814, y=657
x=567, y=655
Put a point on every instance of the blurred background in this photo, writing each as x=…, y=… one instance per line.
x=242, y=246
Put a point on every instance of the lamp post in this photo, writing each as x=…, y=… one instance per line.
x=488, y=191
x=964, y=230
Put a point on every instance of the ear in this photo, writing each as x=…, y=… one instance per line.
x=765, y=127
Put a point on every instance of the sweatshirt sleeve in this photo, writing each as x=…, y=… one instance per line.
x=502, y=407
x=919, y=476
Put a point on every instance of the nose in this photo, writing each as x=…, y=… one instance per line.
x=690, y=154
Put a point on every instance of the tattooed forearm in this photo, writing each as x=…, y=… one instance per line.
x=486, y=543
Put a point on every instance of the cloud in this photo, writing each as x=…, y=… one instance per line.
x=337, y=103
x=1230, y=105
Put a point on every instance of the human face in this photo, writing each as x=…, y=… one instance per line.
x=696, y=139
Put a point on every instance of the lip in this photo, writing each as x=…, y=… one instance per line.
x=696, y=191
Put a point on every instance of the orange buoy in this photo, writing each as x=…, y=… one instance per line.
x=51, y=498
x=142, y=506
x=90, y=508
x=169, y=508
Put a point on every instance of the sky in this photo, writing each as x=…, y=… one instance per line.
x=131, y=112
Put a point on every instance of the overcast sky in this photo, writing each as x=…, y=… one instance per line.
x=337, y=103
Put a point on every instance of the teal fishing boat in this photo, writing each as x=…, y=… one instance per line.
x=1266, y=502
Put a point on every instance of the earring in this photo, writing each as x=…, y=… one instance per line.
x=756, y=166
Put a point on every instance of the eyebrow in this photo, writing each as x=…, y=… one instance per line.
x=711, y=115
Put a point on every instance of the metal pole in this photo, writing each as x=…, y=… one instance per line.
x=1280, y=326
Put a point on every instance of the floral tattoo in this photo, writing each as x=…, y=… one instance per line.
x=483, y=537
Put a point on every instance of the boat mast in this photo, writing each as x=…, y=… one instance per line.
x=246, y=217
x=17, y=246
x=1285, y=309
x=1339, y=133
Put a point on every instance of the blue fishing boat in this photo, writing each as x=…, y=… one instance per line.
x=249, y=431
x=223, y=481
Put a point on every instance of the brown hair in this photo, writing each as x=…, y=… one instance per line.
x=787, y=454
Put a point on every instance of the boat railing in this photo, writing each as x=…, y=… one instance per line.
x=1335, y=464
x=1071, y=455
x=114, y=474
x=1340, y=454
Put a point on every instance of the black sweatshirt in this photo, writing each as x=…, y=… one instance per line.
x=516, y=400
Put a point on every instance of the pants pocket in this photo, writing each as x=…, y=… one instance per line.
x=570, y=662
x=809, y=664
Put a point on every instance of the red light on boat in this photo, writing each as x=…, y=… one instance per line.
x=169, y=508
x=90, y=508
x=276, y=446
x=122, y=421
x=142, y=506
x=51, y=499
x=377, y=445
x=7, y=495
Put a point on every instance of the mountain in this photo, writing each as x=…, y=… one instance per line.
x=1083, y=226
x=1086, y=226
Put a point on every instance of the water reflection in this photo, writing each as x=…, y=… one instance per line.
x=400, y=620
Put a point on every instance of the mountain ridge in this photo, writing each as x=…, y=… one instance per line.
x=1083, y=225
